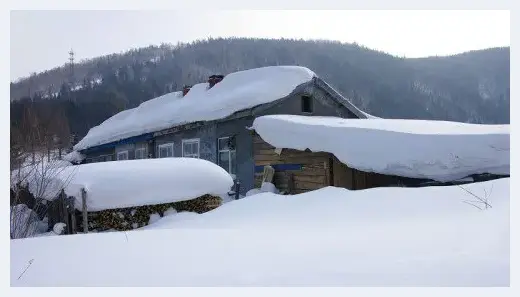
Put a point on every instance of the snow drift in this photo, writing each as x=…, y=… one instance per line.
x=329, y=237
x=121, y=184
x=237, y=91
x=437, y=150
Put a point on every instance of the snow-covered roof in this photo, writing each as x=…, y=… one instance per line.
x=436, y=150
x=131, y=183
x=74, y=157
x=237, y=91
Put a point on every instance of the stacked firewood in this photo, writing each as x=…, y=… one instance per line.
x=122, y=219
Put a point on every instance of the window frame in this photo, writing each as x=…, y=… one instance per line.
x=191, y=141
x=219, y=150
x=125, y=152
x=310, y=102
x=145, y=153
x=165, y=145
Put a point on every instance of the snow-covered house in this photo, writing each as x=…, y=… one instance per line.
x=213, y=120
x=289, y=118
x=309, y=153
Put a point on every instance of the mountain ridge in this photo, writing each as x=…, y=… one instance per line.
x=467, y=87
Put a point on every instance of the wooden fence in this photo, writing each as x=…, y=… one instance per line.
x=63, y=210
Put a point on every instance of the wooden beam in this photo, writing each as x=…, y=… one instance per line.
x=85, y=212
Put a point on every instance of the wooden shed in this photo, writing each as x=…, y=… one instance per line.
x=301, y=171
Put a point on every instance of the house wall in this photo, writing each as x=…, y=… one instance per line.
x=126, y=147
x=131, y=147
x=323, y=105
x=295, y=171
x=206, y=135
x=90, y=158
x=302, y=171
x=244, y=149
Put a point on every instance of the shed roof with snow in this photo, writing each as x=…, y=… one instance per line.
x=437, y=150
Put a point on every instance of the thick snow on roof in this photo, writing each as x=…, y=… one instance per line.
x=74, y=157
x=437, y=150
x=120, y=184
x=329, y=237
x=237, y=91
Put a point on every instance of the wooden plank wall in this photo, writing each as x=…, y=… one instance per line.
x=313, y=172
x=354, y=179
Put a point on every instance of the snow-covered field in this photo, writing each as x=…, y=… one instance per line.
x=332, y=236
x=438, y=150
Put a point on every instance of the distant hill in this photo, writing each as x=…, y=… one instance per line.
x=468, y=87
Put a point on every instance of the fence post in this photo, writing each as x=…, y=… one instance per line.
x=64, y=213
x=85, y=212
x=237, y=189
x=72, y=213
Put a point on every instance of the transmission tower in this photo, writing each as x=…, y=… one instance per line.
x=71, y=68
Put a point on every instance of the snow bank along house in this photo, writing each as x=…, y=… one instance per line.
x=214, y=121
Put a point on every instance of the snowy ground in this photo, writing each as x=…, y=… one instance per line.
x=332, y=236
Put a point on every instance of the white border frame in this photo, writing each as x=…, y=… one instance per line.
x=163, y=146
x=192, y=140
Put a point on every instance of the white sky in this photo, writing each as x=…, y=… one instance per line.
x=41, y=40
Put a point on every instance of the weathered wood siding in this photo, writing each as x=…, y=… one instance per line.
x=295, y=171
x=354, y=179
x=302, y=171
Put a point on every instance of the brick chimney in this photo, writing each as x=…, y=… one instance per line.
x=215, y=79
x=185, y=90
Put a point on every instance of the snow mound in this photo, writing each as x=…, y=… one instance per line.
x=437, y=150
x=131, y=183
x=329, y=237
x=154, y=217
x=74, y=157
x=237, y=91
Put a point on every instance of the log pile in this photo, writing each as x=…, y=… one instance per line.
x=123, y=219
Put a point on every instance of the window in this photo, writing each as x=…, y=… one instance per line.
x=165, y=150
x=190, y=148
x=227, y=154
x=122, y=155
x=140, y=153
x=306, y=104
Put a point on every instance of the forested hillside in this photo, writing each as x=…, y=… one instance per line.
x=469, y=87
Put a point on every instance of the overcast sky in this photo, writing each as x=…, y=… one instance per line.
x=41, y=40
